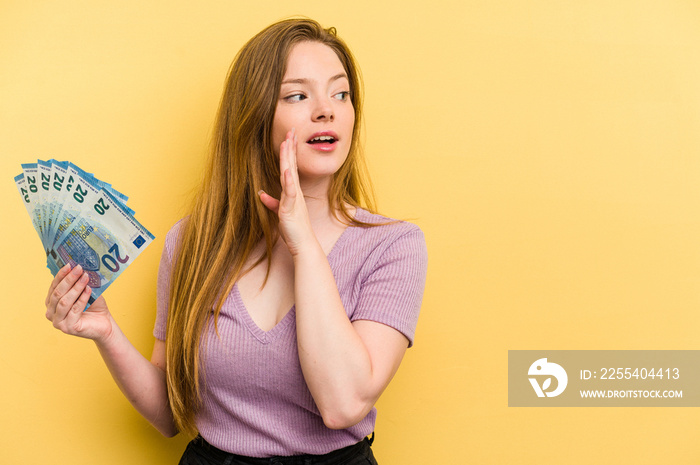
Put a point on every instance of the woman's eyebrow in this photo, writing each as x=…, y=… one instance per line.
x=306, y=81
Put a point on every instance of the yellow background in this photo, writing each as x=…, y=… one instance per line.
x=548, y=149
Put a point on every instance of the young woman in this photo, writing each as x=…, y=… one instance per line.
x=284, y=306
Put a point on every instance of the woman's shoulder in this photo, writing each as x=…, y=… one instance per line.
x=386, y=225
x=172, y=238
x=396, y=249
x=386, y=231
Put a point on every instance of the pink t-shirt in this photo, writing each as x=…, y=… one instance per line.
x=255, y=399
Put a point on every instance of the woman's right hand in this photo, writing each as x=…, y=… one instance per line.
x=68, y=295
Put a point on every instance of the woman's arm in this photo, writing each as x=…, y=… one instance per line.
x=346, y=365
x=142, y=381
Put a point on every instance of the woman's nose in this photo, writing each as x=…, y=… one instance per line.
x=323, y=110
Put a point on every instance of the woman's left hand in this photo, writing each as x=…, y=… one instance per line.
x=294, y=223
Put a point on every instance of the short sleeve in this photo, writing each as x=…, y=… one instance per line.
x=164, y=276
x=392, y=292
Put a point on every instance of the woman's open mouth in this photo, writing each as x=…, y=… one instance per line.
x=325, y=141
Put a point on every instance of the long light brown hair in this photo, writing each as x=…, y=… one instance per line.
x=227, y=219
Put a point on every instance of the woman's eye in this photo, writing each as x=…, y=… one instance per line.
x=342, y=95
x=295, y=98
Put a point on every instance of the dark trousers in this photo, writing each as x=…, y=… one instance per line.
x=200, y=452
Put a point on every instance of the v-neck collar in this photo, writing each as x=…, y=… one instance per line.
x=268, y=336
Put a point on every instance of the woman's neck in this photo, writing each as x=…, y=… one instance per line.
x=316, y=195
x=320, y=213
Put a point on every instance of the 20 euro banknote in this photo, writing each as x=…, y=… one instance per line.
x=104, y=242
x=81, y=220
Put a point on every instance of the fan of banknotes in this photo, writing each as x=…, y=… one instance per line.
x=81, y=220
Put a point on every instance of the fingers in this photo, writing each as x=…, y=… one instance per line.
x=269, y=201
x=292, y=154
x=288, y=154
x=64, y=280
x=65, y=294
x=289, y=176
x=59, y=277
x=285, y=159
x=289, y=186
x=71, y=322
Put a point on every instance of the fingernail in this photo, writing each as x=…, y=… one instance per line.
x=84, y=277
x=77, y=270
